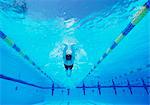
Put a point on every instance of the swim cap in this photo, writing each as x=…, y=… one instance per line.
x=69, y=52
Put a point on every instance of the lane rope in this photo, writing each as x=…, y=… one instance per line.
x=12, y=44
x=138, y=17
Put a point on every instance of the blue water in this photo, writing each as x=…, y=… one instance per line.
x=40, y=28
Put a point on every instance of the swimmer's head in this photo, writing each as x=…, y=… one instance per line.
x=69, y=52
x=68, y=56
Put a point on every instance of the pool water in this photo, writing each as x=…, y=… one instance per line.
x=41, y=28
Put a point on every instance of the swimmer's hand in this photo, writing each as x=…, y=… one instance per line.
x=74, y=47
x=72, y=44
x=66, y=46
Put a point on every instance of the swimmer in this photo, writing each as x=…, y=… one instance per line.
x=69, y=57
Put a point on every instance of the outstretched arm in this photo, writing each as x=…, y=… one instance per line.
x=64, y=51
x=73, y=52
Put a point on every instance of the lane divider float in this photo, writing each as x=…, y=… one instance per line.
x=12, y=44
x=138, y=17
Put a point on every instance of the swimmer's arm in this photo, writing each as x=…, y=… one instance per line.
x=64, y=51
x=73, y=52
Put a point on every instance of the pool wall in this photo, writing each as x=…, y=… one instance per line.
x=15, y=69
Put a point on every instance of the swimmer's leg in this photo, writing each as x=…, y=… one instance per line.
x=70, y=67
x=68, y=73
x=66, y=67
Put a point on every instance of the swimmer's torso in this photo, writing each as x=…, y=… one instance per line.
x=68, y=62
x=70, y=51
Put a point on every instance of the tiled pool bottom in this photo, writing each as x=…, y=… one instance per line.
x=101, y=100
